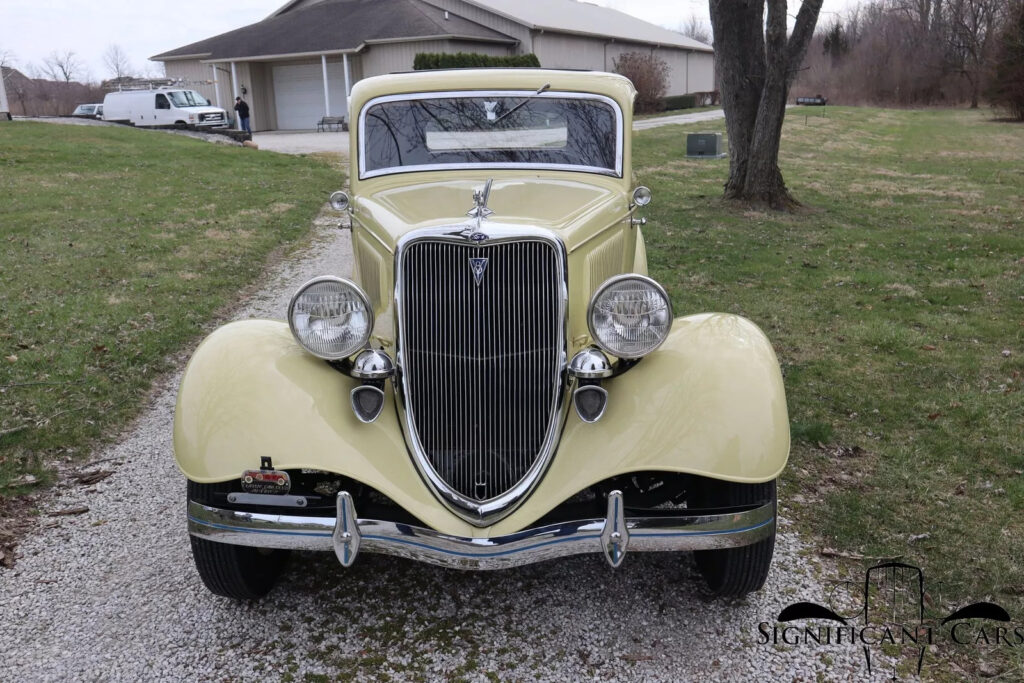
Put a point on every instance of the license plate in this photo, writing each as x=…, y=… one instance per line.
x=266, y=481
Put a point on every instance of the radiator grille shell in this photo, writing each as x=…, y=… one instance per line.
x=482, y=362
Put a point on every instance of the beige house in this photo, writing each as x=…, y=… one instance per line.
x=299, y=64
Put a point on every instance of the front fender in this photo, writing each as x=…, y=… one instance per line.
x=250, y=390
x=710, y=401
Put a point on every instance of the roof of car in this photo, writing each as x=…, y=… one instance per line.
x=618, y=88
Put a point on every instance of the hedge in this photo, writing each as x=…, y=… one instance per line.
x=446, y=60
x=680, y=102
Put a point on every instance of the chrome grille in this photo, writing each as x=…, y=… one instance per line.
x=482, y=360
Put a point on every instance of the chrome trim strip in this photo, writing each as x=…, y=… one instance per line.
x=532, y=94
x=645, y=534
x=493, y=509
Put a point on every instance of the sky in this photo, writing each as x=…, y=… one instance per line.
x=30, y=30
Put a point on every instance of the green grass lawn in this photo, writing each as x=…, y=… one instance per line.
x=118, y=248
x=895, y=300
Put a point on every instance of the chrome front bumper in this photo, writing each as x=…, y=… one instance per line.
x=614, y=535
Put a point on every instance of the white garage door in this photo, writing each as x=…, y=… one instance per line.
x=299, y=94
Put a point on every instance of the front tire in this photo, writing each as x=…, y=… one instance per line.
x=734, y=572
x=233, y=571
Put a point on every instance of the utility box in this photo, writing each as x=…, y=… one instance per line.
x=707, y=145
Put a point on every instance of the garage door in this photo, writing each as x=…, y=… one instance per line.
x=299, y=94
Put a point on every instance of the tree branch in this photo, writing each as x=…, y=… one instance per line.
x=800, y=39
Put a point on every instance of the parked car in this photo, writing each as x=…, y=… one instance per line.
x=163, y=107
x=500, y=382
x=88, y=111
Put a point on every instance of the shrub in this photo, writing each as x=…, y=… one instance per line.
x=460, y=60
x=680, y=102
x=650, y=78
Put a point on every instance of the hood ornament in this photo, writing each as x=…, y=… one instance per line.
x=480, y=211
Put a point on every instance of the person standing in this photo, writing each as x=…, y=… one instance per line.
x=243, y=114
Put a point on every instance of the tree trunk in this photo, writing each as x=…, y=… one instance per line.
x=758, y=64
x=738, y=25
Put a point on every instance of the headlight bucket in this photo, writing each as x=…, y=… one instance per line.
x=331, y=317
x=629, y=316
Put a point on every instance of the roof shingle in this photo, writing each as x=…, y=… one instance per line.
x=333, y=26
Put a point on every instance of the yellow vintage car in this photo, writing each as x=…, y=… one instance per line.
x=499, y=382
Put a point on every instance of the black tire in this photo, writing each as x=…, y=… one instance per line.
x=734, y=572
x=233, y=571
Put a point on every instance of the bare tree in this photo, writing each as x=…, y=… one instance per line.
x=694, y=27
x=972, y=25
x=758, y=65
x=906, y=52
x=117, y=62
x=155, y=70
x=62, y=66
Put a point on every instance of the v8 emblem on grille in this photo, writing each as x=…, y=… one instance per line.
x=478, y=266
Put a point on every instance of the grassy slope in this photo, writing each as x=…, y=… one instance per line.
x=117, y=248
x=890, y=298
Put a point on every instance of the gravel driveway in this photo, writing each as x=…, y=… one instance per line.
x=111, y=594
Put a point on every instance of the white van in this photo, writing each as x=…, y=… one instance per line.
x=163, y=107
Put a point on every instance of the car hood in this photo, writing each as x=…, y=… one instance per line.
x=574, y=209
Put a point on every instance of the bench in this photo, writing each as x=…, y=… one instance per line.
x=329, y=123
x=818, y=101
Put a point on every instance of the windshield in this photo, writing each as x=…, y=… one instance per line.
x=564, y=131
x=187, y=98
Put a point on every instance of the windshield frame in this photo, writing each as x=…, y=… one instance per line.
x=526, y=94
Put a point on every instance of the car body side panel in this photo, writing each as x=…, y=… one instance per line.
x=710, y=401
x=640, y=254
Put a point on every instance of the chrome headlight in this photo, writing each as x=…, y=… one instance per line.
x=630, y=316
x=330, y=317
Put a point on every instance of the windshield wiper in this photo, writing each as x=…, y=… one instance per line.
x=519, y=106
